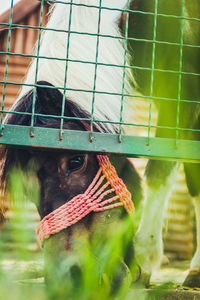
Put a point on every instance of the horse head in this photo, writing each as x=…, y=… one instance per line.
x=65, y=175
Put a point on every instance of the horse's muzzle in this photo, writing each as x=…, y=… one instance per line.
x=98, y=197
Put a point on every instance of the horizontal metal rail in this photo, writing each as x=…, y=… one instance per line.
x=131, y=146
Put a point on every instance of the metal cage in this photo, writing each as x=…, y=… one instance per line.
x=130, y=145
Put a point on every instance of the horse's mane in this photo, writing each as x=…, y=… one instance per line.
x=48, y=102
x=81, y=58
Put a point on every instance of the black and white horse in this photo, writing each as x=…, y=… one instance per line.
x=161, y=175
x=58, y=173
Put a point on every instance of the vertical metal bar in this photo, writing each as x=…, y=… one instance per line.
x=95, y=72
x=6, y=68
x=152, y=66
x=124, y=72
x=36, y=72
x=180, y=70
x=66, y=70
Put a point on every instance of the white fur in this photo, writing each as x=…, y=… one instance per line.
x=83, y=47
x=148, y=241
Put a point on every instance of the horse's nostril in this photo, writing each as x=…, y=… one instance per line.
x=76, y=274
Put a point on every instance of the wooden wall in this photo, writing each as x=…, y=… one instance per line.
x=22, y=42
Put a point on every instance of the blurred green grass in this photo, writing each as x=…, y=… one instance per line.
x=98, y=275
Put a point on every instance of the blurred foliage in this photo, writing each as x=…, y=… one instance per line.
x=94, y=270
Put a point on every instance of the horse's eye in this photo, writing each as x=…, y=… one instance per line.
x=75, y=163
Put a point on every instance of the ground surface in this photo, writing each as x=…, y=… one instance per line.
x=31, y=273
x=175, y=273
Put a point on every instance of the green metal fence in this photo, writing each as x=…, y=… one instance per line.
x=154, y=147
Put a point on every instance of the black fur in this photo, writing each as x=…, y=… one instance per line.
x=48, y=102
x=55, y=190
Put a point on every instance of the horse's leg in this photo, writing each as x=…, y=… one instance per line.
x=160, y=177
x=192, y=172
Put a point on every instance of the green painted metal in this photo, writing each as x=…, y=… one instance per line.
x=102, y=64
x=153, y=65
x=124, y=72
x=66, y=70
x=180, y=70
x=185, y=150
x=6, y=68
x=92, y=34
x=36, y=70
x=95, y=72
x=131, y=146
x=147, y=98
